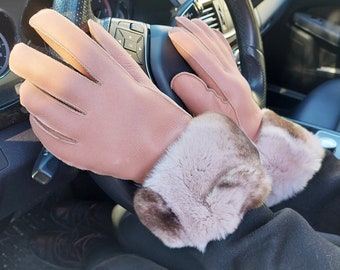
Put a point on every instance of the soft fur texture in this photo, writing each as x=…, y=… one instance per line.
x=204, y=184
x=290, y=154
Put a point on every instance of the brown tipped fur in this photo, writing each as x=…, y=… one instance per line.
x=203, y=185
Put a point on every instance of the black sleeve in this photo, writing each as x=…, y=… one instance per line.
x=319, y=202
x=264, y=240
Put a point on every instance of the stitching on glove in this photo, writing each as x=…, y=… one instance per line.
x=53, y=133
x=222, y=98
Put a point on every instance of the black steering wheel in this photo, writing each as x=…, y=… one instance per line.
x=158, y=52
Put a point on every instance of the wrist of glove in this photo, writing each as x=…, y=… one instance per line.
x=290, y=154
x=204, y=184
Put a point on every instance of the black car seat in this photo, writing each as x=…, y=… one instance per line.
x=322, y=106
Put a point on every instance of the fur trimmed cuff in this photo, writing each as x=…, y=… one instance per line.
x=290, y=154
x=201, y=188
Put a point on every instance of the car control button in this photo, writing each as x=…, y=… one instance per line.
x=134, y=56
x=137, y=27
x=132, y=36
x=330, y=140
x=140, y=50
x=45, y=167
x=328, y=143
x=130, y=45
x=119, y=37
x=124, y=24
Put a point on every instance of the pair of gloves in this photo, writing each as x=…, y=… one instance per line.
x=99, y=111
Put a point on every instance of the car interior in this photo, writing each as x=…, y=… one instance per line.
x=288, y=50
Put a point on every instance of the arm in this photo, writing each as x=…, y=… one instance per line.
x=98, y=111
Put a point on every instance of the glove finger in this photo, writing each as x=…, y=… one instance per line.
x=74, y=46
x=104, y=39
x=198, y=33
x=198, y=98
x=206, y=36
x=222, y=47
x=49, y=132
x=202, y=61
x=54, y=114
x=221, y=44
x=51, y=76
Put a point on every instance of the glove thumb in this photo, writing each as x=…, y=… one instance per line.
x=198, y=97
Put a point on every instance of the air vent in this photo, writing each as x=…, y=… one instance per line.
x=209, y=16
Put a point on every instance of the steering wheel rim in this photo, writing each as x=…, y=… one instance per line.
x=251, y=59
x=250, y=46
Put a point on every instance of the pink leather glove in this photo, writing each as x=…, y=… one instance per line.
x=218, y=86
x=290, y=153
x=105, y=115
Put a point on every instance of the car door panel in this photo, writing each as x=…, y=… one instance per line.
x=303, y=50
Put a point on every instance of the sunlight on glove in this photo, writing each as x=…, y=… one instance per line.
x=104, y=115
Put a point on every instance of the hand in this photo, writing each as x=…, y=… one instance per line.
x=290, y=154
x=102, y=113
x=218, y=86
x=98, y=111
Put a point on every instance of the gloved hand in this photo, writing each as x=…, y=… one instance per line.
x=290, y=153
x=103, y=115
x=218, y=86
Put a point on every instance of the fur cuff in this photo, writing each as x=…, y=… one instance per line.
x=204, y=184
x=290, y=154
